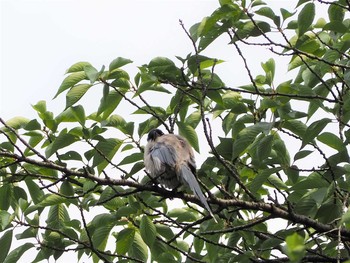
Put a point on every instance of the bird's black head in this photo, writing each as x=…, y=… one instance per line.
x=153, y=134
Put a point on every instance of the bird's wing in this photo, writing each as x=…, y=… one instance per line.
x=165, y=153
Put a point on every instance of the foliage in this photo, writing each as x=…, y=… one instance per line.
x=75, y=181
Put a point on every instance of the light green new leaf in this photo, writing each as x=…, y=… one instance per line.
x=148, y=231
x=190, y=134
x=76, y=93
x=17, y=122
x=138, y=248
x=5, y=242
x=305, y=18
x=70, y=81
x=295, y=247
x=193, y=119
x=5, y=219
x=79, y=66
x=314, y=130
x=91, y=73
x=119, y=62
x=17, y=253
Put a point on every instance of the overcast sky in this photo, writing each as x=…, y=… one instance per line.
x=42, y=38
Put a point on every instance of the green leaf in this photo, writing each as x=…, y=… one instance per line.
x=314, y=130
x=331, y=140
x=76, y=93
x=119, y=62
x=91, y=73
x=193, y=119
x=138, y=248
x=336, y=13
x=63, y=140
x=5, y=242
x=305, y=18
x=70, y=81
x=190, y=134
x=5, y=194
x=314, y=180
x=106, y=149
x=266, y=11
x=148, y=231
x=246, y=136
x=17, y=253
x=125, y=239
x=295, y=247
x=52, y=199
x=79, y=66
x=109, y=102
x=132, y=158
x=261, y=178
x=17, y=122
x=35, y=192
x=302, y=154
x=264, y=147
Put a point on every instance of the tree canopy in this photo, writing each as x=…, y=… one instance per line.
x=275, y=155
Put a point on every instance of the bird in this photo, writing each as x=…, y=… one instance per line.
x=169, y=159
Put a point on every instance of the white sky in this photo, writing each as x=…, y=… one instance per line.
x=42, y=38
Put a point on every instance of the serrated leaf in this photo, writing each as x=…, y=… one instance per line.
x=305, y=18
x=125, y=239
x=148, y=231
x=76, y=93
x=70, y=81
x=138, y=248
x=190, y=134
